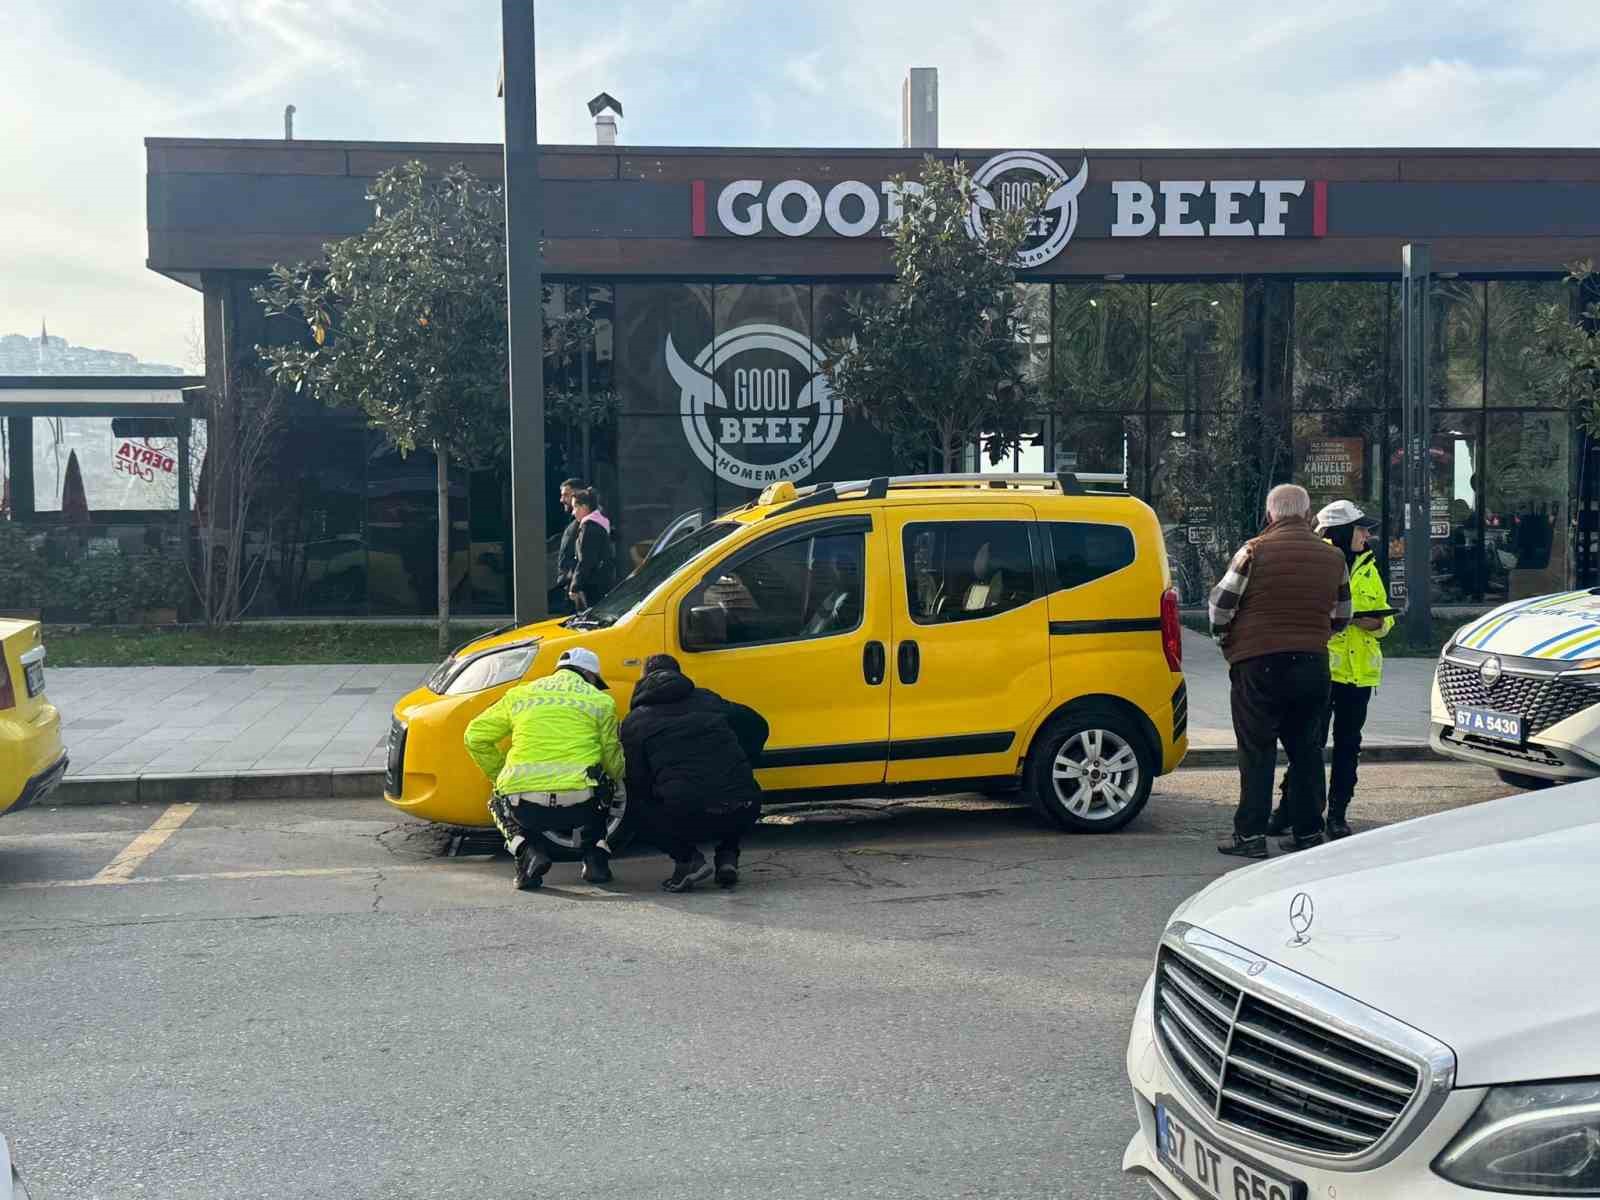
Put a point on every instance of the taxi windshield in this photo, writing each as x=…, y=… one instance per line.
x=657, y=569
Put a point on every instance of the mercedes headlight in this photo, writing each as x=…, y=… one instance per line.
x=503, y=664
x=1538, y=1139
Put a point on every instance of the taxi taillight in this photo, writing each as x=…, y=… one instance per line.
x=1171, y=630
x=8, y=691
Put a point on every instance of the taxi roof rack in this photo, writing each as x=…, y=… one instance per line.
x=1070, y=483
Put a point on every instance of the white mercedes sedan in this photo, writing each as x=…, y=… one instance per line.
x=1409, y=1014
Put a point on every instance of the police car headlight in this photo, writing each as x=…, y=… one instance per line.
x=1534, y=1140
x=504, y=664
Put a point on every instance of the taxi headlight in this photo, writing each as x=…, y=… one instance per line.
x=505, y=664
x=1530, y=1140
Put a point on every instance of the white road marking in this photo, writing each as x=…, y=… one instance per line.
x=121, y=868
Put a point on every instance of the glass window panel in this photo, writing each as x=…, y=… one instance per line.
x=1456, y=372
x=1195, y=342
x=321, y=551
x=1109, y=445
x=1457, y=465
x=1208, y=481
x=118, y=474
x=1339, y=456
x=1035, y=332
x=1085, y=552
x=773, y=428
x=1521, y=373
x=967, y=570
x=808, y=588
x=1100, y=347
x=403, y=530
x=1342, y=345
x=1526, y=494
x=863, y=450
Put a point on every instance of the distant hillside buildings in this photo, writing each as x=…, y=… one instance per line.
x=46, y=355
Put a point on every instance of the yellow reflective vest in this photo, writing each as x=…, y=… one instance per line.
x=1354, y=655
x=559, y=727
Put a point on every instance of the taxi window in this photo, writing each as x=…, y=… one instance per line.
x=810, y=587
x=967, y=570
x=1085, y=552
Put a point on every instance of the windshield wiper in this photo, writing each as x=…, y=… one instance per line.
x=584, y=620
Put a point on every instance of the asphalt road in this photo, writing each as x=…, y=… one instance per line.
x=313, y=1000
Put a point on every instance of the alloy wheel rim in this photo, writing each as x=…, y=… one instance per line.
x=1095, y=774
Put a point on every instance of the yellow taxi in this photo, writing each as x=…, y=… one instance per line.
x=906, y=635
x=32, y=761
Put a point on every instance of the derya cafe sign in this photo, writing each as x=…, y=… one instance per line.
x=1073, y=204
x=755, y=404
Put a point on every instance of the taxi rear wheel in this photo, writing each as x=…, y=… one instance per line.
x=1090, y=770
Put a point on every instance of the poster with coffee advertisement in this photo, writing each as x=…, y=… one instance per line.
x=1332, y=468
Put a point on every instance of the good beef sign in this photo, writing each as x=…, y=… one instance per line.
x=1073, y=204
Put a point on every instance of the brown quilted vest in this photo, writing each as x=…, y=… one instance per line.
x=1288, y=602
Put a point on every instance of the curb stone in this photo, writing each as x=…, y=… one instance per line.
x=355, y=783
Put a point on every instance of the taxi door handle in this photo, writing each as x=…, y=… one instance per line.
x=873, y=662
x=909, y=661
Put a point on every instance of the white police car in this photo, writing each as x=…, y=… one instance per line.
x=1519, y=690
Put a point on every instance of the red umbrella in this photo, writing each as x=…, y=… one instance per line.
x=74, y=500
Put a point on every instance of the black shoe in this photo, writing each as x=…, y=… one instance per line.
x=1243, y=847
x=1278, y=822
x=531, y=867
x=686, y=874
x=1337, y=828
x=597, y=866
x=727, y=868
x=1294, y=842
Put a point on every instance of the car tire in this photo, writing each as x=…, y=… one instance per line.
x=1090, y=770
x=563, y=847
x=1528, y=783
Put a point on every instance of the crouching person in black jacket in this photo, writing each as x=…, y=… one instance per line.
x=690, y=755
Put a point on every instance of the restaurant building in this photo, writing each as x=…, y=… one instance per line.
x=1196, y=318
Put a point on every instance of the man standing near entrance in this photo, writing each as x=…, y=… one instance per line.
x=1286, y=593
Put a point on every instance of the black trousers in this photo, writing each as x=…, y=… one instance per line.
x=1345, y=715
x=1280, y=697
x=517, y=821
x=677, y=834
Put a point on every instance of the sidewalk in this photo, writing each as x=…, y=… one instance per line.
x=167, y=733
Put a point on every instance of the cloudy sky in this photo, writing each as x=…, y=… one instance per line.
x=86, y=80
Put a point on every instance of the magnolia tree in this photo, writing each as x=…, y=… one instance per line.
x=407, y=322
x=940, y=361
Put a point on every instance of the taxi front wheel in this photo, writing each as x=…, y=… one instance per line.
x=564, y=847
x=1090, y=770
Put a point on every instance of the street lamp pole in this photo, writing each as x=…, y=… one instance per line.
x=524, y=313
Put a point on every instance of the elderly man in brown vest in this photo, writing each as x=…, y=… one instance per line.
x=1285, y=594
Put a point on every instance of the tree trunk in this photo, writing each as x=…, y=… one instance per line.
x=442, y=462
x=947, y=449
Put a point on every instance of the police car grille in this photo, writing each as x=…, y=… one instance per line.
x=1267, y=1070
x=1540, y=700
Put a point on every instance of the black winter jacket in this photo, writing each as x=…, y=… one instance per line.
x=689, y=750
x=596, y=570
x=567, y=556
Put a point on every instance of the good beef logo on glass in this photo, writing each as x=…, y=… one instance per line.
x=144, y=460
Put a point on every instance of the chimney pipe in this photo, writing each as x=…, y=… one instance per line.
x=288, y=123
x=605, y=109
x=919, y=108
